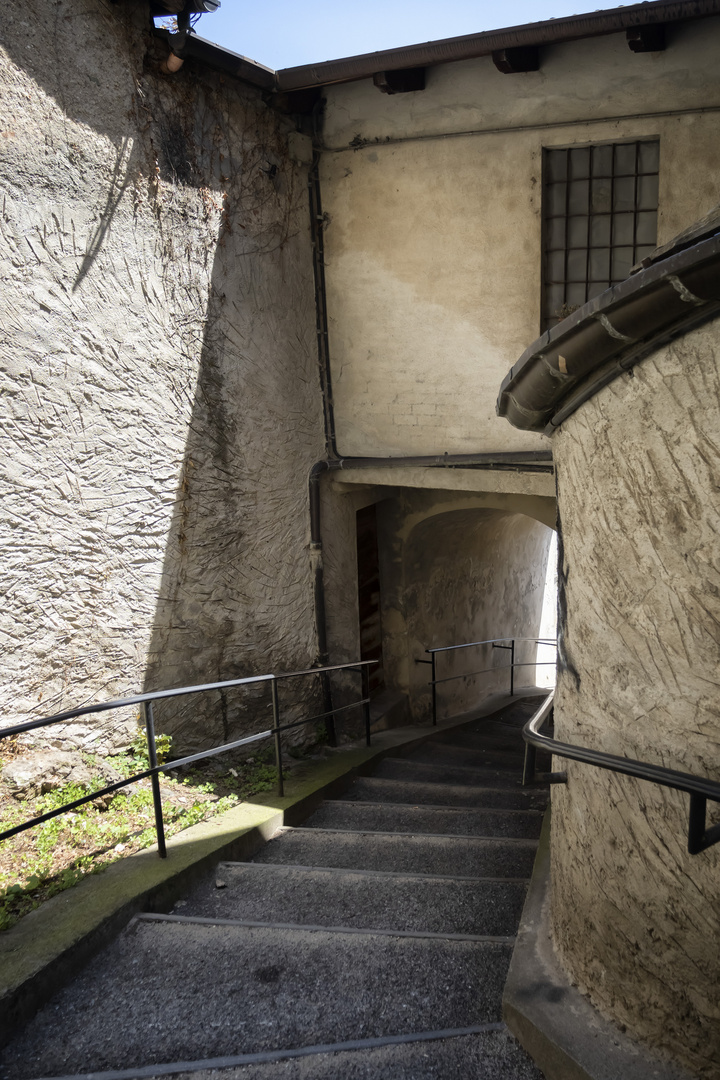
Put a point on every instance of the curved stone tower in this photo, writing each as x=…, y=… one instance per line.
x=628, y=388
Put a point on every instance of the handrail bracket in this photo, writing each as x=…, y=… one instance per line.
x=532, y=777
x=699, y=837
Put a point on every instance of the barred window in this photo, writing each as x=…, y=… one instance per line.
x=600, y=218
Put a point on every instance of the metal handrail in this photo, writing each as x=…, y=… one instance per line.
x=699, y=789
x=492, y=641
x=497, y=643
x=146, y=700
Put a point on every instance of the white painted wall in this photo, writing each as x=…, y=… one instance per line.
x=433, y=239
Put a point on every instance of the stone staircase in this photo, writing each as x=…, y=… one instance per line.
x=372, y=942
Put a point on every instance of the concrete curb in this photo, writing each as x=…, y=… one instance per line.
x=50, y=945
x=566, y=1037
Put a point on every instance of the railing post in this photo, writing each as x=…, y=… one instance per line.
x=434, y=690
x=365, y=673
x=155, y=779
x=327, y=708
x=696, y=824
x=529, y=764
x=276, y=734
x=512, y=668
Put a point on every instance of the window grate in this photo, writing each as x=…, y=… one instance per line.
x=600, y=219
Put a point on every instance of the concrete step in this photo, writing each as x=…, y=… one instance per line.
x=485, y=1055
x=377, y=789
x=456, y=856
x=436, y=771
x=435, y=753
x=366, y=900
x=494, y=726
x=173, y=991
x=446, y=821
x=505, y=741
x=516, y=713
x=494, y=732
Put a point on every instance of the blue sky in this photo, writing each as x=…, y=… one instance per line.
x=283, y=33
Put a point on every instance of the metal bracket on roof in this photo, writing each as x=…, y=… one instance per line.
x=646, y=38
x=404, y=81
x=518, y=59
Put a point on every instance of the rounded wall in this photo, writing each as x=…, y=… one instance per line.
x=633, y=913
x=472, y=575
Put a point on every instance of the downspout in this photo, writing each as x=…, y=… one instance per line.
x=316, y=559
x=317, y=237
x=175, y=59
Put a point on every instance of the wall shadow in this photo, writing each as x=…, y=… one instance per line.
x=472, y=575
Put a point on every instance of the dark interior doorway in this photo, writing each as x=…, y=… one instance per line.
x=369, y=595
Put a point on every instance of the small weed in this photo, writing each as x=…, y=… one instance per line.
x=257, y=779
x=565, y=311
x=10, y=749
x=139, y=748
x=321, y=735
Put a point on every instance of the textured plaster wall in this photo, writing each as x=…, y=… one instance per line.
x=471, y=575
x=433, y=235
x=636, y=918
x=454, y=566
x=161, y=407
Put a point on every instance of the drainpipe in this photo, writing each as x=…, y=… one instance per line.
x=519, y=461
x=178, y=40
x=317, y=230
x=175, y=60
x=172, y=64
x=316, y=558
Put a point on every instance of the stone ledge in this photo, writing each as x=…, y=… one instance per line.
x=49, y=946
x=566, y=1037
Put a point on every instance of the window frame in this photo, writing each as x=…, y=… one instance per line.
x=631, y=230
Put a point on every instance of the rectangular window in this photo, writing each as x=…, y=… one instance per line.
x=600, y=219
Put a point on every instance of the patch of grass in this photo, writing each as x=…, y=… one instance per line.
x=253, y=780
x=41, y=862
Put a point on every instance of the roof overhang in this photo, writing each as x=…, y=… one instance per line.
x=447, y=50
x=610, y=335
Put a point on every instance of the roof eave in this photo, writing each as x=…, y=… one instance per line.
x=445, y=51
x=609, y=335
x=471, y=46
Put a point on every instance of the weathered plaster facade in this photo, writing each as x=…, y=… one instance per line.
x=433, y=241
x=159, y=373
x=163, y=411
x=636, y=918
x=455, y=565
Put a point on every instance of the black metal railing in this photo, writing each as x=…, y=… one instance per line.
x=497, y=643
x=699, y=789
x=147, y=700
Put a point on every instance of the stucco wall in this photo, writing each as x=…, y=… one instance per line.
x=433, y=236
x=454, y=566
x=159, y=374
x=471, y=574
x=636, y=918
